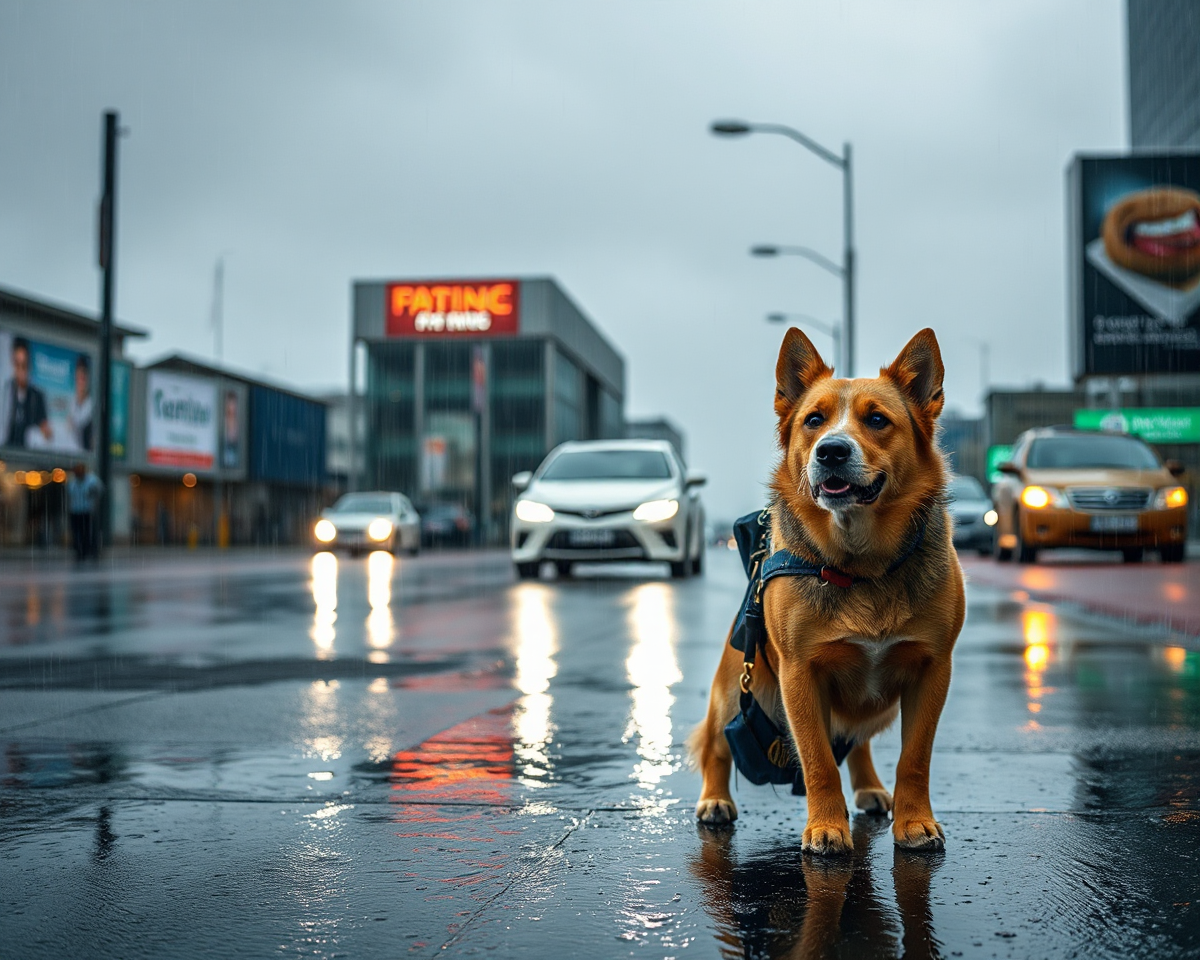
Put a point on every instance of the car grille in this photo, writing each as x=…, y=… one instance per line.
x=590, y=514
x=622, y=540
x=1109, y=498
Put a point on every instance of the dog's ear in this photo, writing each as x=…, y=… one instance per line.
x=798, y=368
x=918, y=372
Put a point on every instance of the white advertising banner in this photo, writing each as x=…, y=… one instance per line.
x=181, y=421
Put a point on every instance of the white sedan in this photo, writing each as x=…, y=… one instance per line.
x=370, y=521
x=608, y=500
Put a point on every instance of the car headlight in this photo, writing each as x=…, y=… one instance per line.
x=533, y=512
x=655, y=511
x=1036, y=497
x=325, y=531
x=379, y=529
x=1169, y=498
x=991, y=518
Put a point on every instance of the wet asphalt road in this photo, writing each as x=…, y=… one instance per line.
x=319, y=757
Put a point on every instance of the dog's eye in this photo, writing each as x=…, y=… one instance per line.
x=813, y=420
x=877, y=421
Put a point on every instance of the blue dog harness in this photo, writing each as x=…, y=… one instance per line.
x=764, y=753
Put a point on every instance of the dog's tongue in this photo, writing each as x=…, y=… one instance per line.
x=836, y=486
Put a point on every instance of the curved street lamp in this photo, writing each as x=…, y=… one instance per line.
x=738, y=128
x=831, y=330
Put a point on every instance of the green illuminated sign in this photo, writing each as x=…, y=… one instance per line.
x=1155, y=425
x=996, y=455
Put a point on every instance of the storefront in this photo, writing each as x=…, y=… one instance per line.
x=48, y=381
x=471, y=381
x=207, y=437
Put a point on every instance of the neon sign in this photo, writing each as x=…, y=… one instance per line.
x=470, y=308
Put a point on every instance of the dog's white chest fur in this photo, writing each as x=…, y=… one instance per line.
x=874, y=650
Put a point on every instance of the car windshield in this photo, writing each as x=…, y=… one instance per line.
x=358, y=503
x=1095, y=452
x=966, y=488
x=608, y=465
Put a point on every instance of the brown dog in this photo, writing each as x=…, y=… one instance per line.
x=860, y=481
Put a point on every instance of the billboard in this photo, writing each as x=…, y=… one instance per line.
x=1152, y=424
x=1134, y=264
x=181, y=421
x=46, y=396
x=461, y=308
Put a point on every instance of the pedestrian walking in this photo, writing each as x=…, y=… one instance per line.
x=84, y=491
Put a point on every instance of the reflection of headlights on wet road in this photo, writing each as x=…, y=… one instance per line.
x=991, y=518
x=533, y=512
x=655, y=511
x=325, y=531
x=379, y=529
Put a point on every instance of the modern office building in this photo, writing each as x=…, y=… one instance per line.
x=470, y=381
x=1164, y=74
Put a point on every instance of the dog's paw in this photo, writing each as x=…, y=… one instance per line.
x=828, y=839
x=716, y=811
x=873, y=800
x=919, y=833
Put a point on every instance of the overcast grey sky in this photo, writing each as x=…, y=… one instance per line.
x=315, y=143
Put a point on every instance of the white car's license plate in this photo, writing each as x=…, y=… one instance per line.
x=591, y=538
x=1114, y=524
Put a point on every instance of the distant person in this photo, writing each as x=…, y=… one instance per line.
x=26, y=403
x=84, y=492
x=79, y=418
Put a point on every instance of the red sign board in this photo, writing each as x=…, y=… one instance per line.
x=462, y=309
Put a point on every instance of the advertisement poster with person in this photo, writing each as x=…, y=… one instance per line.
x=46, y=396
x=231, y=432
x=1135, y=262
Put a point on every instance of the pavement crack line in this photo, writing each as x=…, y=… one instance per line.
x=82, y=711
x=517, y=876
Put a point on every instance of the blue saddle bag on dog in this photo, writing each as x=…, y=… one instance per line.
x=762, y=751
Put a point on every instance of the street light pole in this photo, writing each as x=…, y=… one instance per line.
x=108, y=229
x=737, y=128
x=830, y=330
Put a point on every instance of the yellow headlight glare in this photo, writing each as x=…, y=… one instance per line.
x=656, y=511
x=1171, y=498
x=325, y=531
x=530, y=511
x=1037, y=498
x=379, y=529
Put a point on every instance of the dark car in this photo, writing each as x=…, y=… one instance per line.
x=447, y=524
x=973, y=516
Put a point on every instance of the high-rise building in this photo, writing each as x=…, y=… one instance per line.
x=1164, y=73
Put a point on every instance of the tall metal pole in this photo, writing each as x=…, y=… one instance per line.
x=848, y=265
x=218, y=322
x=108, y=230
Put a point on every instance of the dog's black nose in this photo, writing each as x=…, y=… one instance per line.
x=833, y=453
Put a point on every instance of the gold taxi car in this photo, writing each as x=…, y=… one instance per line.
x=1075, y=488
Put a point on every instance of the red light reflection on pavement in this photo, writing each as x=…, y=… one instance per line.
x=471, y=762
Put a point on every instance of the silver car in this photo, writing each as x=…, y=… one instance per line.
x=608, y=500
x=381, y=520
x=973, y=515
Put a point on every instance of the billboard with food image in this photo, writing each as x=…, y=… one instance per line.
x=1134, y=260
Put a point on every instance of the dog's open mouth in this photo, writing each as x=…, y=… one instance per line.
x=837, y=489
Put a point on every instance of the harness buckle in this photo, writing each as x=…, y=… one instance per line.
x=744, y=681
